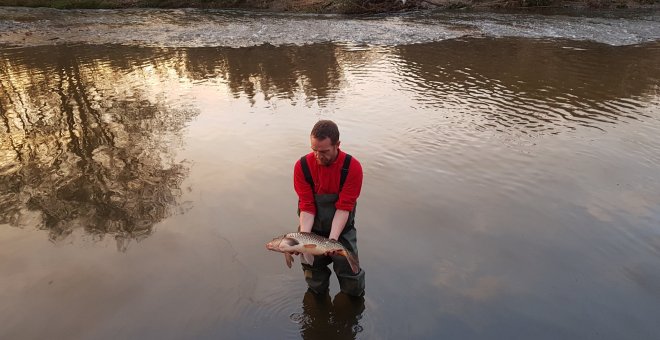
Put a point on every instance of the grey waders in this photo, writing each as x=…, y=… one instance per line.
x=318, y=274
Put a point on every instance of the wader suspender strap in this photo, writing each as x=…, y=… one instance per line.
x=308, y=174
x=344, y=171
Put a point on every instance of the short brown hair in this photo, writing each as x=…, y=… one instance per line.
x=326, y=129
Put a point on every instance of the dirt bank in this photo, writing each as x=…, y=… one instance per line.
x=331, y=6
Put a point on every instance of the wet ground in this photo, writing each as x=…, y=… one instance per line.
x=511, y=173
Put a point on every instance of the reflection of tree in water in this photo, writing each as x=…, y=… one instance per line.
x=531, y=82
x=86, y=144
x=274, y=71
x=81, y=148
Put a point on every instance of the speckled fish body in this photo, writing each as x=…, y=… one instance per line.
x=310, y=245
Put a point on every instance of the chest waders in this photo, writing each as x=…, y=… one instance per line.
x=318, y=274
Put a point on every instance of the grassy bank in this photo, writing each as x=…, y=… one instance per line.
x=329, y=6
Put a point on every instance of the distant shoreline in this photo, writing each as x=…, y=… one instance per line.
x=335, y=6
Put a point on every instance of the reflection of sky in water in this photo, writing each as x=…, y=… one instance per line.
x=478, y=217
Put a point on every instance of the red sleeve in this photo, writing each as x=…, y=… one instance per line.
x=303, y=189
x=352, y=187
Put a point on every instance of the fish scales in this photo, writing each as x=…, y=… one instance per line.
x=310, y=245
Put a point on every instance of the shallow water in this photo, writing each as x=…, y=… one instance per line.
x=511, y=182
x=208, y=28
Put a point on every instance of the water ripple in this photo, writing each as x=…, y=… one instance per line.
x=529, y=86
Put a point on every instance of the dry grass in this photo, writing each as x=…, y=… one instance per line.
x=327, y=6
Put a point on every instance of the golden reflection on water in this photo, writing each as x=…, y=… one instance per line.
x=86, y=146
x=91, y=133
x=90, y=143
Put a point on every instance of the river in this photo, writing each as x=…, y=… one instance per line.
x=511, y=173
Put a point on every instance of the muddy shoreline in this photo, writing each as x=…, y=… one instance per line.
x=339, y=6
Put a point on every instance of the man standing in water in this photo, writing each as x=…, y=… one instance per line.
x=328, y=182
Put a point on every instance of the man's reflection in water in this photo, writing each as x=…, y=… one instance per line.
x=325, y=319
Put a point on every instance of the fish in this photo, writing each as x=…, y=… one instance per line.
x=309, y=245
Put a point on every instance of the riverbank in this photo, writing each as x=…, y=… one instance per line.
x=331, y=6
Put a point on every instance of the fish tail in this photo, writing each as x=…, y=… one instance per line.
x=352, y=261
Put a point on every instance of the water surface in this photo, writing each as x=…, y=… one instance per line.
x=511, y=182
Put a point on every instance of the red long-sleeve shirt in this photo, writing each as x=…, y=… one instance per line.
x=326, y=181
